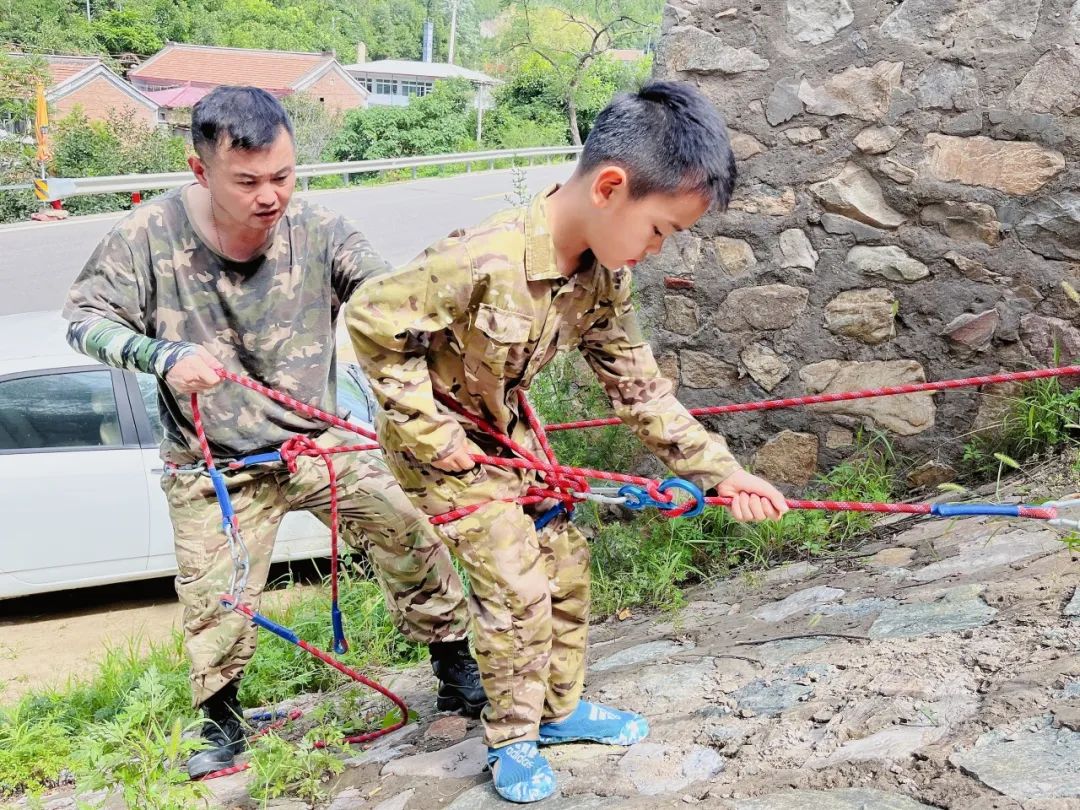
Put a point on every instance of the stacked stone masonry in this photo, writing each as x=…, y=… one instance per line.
x=908, y=208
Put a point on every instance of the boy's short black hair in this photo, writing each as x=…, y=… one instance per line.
x=238, y=117
x=669, y=138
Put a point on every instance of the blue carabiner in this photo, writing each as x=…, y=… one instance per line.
x=636, y=497
x=690, y=489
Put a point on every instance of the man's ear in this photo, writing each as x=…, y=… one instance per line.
x=608, y=184
x=198, y=168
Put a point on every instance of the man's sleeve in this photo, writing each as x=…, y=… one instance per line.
x=623, y=362
x=390, y=321
x=353, y=260
x=107, y=308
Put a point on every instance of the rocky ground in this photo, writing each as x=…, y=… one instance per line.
x=937, y=667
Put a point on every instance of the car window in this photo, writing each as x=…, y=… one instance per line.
x=148, y=387
x=76, y=409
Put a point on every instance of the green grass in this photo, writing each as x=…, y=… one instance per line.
x=140, y=753
x=88, y=720
x=650, y=560
x=284, y=767
x=281, y=670
x=33, y=750
x=46, y=731
x=566, y=391
x=1043, y=417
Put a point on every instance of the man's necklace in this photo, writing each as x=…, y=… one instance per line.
x=217, y=233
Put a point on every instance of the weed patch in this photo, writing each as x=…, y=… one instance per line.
x=649, y=560
x=1042, y=418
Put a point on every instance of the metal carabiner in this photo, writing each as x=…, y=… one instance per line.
x=638, y=498
x=691, y=489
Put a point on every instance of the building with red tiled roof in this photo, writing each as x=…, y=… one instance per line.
x=203, y=67
x=85, y=82
x=177, y=97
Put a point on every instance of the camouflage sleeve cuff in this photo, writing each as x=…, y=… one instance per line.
x=710, y=481
x=120, y=346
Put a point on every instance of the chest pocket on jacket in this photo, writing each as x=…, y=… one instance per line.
x=496, y=332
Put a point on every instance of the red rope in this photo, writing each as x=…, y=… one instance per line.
x=844, y=396
x=309, y=411
x=301, y=445
x=561, y=477
x=537, y=427
x=494, y=433
x=293, y=448
x=573, y=478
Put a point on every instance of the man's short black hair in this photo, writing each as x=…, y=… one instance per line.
x=238, y=117
x=669, y=138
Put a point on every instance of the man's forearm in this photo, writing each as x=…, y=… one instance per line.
x=122, y=347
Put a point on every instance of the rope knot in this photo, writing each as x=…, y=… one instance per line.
x=298, y=445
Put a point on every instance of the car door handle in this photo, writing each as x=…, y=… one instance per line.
x=157, y=470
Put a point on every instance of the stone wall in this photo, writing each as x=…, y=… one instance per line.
x=908, y=208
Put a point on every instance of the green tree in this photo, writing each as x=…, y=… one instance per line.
x=530, y=107
x=46, y=26
x=19, y=77
x=389, y=28
x=127, y=31
x=17, y=165
x=314, y=126
x=437, y=123
x=117, y=145
x=572, y=35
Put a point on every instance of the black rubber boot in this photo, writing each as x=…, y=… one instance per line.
x=460, y=689
x=223, y=729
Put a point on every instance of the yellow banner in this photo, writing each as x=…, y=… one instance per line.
x=41, y=189
x=41, y=125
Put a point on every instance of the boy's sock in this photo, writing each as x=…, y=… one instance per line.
x=594, y=722
x=520, y=772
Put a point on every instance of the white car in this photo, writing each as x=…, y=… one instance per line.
x=80, y=498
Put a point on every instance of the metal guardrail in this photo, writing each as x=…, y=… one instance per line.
x=163, y=180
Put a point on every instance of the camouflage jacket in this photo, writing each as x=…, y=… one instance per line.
x=476, y=317
x=154, y=289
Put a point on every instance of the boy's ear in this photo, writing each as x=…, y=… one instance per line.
x=608, y=183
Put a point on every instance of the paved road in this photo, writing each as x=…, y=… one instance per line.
x=38, y=261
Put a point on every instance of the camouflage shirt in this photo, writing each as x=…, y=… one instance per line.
x=154, y=289
x=477, y=316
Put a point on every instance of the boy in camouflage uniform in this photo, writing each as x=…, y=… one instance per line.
x=233, y=272
x=474, y=319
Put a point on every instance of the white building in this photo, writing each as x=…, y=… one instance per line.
x=395, y=81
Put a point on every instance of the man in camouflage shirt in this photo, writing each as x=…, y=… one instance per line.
x=474, y=319
x=232, y=272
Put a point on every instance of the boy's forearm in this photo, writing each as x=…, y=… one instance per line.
x=121, y=346
x=645, y=400
x=664, y=426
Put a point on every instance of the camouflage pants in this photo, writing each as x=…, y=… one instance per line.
x=529, y=593
x=412, y=565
